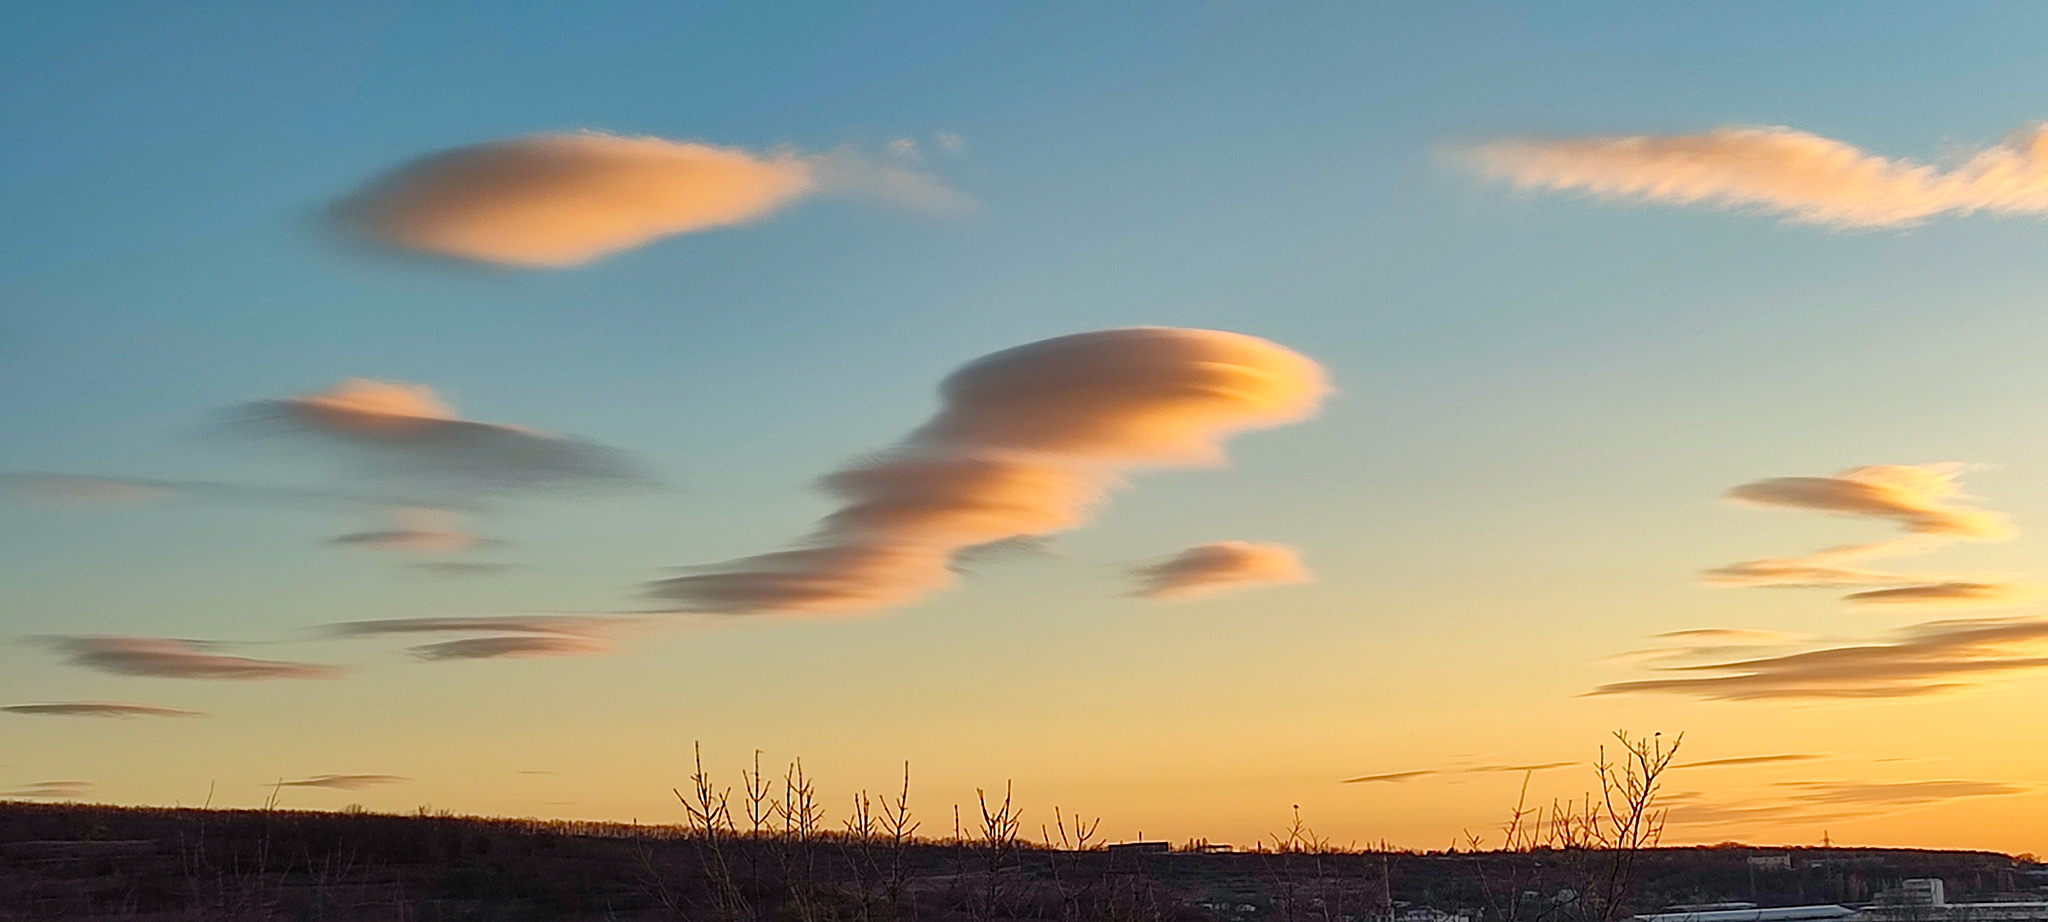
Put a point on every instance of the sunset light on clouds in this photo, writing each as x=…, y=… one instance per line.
x=1184, y=413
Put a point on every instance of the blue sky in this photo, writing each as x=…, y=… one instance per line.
x=1539, y=397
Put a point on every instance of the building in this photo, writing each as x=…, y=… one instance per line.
x=1823, y=913
x=1924, y=899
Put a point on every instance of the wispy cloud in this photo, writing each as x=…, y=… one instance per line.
x=1753, y=760
x=1953, y=594
x=1921, y=499
x=343, y=782
x=1801, y=176
x=529, y=635
x=417, y=530
x=554, y=200
x=404, y=429
x=1684, y=645
x=1917, y=497
x=1027, y=442
x=51, y=790
x=1397, y=777
x=1928, y=658
x=175, y=659
x=1206, y=569
x=510, y=647
x=97, y=709
x=463, y=567
x=1895, y=792
x=86, y=490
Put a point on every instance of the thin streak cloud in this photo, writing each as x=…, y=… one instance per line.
x=513, y=647
x=1775, y=170
x=51, y=790
x=343, y=782
x=1753, y=760
x=97, y=709
x=1935, y=657
x=159, y=657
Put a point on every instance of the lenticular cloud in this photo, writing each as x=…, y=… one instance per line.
x=1802, y=176
x=404, y=429
x=553, y=200
x=1206, y=569
x=1027, y=441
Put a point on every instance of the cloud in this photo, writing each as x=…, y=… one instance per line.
x=176, y=659
x=409, y=431
x=1934, y=657
x=507, y=647
x=51, y=790
x=1916, y=497
x=1026, y=442
x=1949, y=595
x=463, y=567
x=562, y=625
x=1895, y=792
x=343, y=782
x=533, y=635
x=417, y=530
x=97, y=709
x=1804, y=177
x=1711, y=642
x=1820, y=570
x=950, y=143
x=1919, y=498
x=1752, y=760
x=554, y=200
x=1393, y=776
x=1476, y=769
x=1209, y=568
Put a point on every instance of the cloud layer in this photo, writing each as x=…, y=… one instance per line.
x=404, y=429
x=1920, y=499
x=1801, y=176
x=1206, y=569
x=1928, y=658
x=97, y=709
x=508, y=636
x=343, y=782
x=1026, y=442
x=51, y=790
x=553, y=200
x=176, y=659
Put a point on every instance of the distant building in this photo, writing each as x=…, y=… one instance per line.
x=1143, y=848
x=1827, y=912
x=1771, y=862
x=1923, y=899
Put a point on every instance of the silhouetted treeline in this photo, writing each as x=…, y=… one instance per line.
x=74, y=862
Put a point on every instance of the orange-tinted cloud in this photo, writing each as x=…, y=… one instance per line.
x=343, y=782
x=1952, y=594
x=1928, y=658
x=530, y=635
x=1921, y=499
x=1803, y=177
x=97, y=709
x=176, y=659
x=1209, y=568
x=553, y=200
x=1918, y=497
x=1752, y=760
x=1895, y=792
x=405, y=429
x=1026, y=442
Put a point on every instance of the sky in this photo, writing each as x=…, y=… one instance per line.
x=1181, y=411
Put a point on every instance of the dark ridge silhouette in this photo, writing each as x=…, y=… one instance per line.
x=88, y=862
